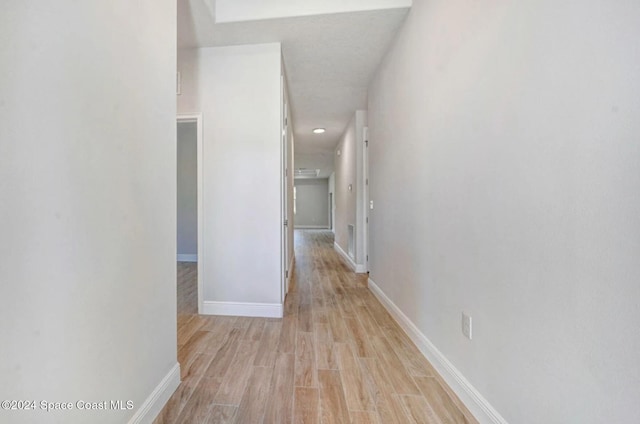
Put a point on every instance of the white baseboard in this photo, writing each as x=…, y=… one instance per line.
x=187, y=258
x=152, y=406
x=357, y=268
x=311, y=227
x=263, y=310
x=472, y=399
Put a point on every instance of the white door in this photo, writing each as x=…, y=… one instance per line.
x=365, y=171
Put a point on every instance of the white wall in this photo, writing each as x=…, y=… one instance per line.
x=312, y=204
x=322, y=161
x=345, y=176
x=238, y=91
x=187, y=182
x=349, y=172
x=88, y=210
x=250, y=10
x=505, y=172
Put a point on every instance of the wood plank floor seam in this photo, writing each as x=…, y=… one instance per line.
x=336, y=357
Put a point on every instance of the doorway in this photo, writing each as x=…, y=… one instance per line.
x=189, y=254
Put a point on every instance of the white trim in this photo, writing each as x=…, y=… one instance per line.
x=186, y=258
x=365, y=197
x=197, y=118
x=312, y=227
x=153, y=404
x=241, y=309
x=470, y=397
x=284, y=188
x=357, y=268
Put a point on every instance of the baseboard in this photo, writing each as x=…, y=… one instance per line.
x=360, y=269
x=187, y=258
x=311, y=227
x=357, y=268
x=468, y=395
x=152, y=406
x=263, y=310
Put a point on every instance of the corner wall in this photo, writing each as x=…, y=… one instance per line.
x=238, y=91
x=312, y=203
x=504, y=169
x=88, y=209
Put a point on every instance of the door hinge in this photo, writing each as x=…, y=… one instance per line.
x=367, y=258
x=286, y=274
x=366, y=143
x=286, y=222
x=367, y=220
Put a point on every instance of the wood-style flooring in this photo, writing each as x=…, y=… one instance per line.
x=337, y=356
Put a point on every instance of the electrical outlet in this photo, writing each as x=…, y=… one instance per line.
x=467, y=328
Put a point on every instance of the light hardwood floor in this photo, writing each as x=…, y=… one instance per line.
x=337, y=356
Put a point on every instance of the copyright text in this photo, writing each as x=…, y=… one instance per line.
x=82, y=405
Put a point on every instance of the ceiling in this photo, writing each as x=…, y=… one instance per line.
x=323, y=162
x=329, y=60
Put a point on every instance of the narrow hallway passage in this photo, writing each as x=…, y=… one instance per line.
x=337, y=356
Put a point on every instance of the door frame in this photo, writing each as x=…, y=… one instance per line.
x=365, y=185
x=284, y=189
x=285, y=206
x=197, y=119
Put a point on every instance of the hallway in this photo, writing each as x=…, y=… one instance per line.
x=336, y=357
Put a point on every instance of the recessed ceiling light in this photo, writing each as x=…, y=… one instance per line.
x=318, y=130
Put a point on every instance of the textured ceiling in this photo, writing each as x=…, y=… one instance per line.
x=329, y=60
